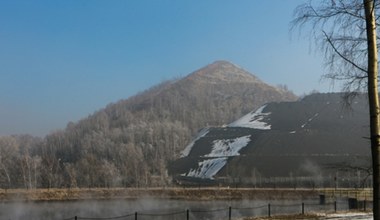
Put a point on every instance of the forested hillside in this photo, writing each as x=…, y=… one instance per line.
x=131, y=142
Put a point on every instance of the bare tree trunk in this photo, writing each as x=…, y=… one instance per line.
x=373, y=99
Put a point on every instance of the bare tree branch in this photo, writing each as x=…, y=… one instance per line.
x=341, y=55
x=339, y=31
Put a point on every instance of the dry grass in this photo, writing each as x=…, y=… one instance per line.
x=172, y=193
x=211, y=193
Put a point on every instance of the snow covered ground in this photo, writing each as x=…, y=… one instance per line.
x=208, y=168
x=253, y=120
x=355, y=216
x=215, y=160
x=188, y=148
x=222, y=149
x=229, y=147
x=335, y=216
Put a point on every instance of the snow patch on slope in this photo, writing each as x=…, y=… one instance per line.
x=309, y=120
x=217, y=158
x=208, y=168
x=253, y=120
x=229, y=147
x=188, y=148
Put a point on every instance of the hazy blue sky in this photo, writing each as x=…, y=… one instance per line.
x=61, y=60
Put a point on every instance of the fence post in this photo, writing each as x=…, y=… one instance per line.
x=135, y=215
x=76, y=217
x=269, y=210
x=187, y=214
x=365, y=205
x=303, y=208
x=335, y=205
x=229, y=213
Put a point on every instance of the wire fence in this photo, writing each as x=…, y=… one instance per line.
x=263, y=210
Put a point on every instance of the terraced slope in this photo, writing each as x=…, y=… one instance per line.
x=316, y=138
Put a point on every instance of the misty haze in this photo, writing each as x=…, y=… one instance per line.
x=184, y=110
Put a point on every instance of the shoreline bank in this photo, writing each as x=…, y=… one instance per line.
x=214, y=193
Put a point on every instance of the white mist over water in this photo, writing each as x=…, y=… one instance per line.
x=149, y=208
x=113, y=208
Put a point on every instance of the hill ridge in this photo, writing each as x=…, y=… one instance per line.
x=222, y=71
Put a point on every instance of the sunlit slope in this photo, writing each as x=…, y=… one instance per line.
x=317, y=135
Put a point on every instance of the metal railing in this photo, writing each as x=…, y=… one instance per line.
x=262, y=210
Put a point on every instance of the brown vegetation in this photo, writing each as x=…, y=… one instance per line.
x=170, y=193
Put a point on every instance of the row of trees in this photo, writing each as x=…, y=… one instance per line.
x=63, y=159
x=18, y=165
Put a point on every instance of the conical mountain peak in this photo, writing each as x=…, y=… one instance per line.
x=220, y=71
